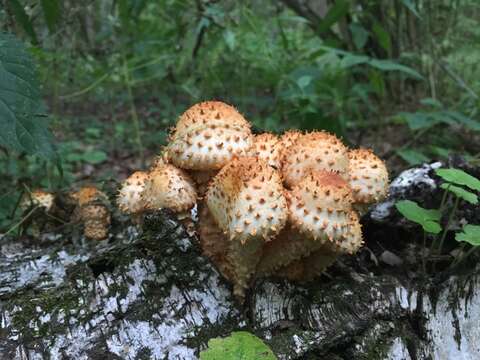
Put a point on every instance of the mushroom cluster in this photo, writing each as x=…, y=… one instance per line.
x=267, y=205
x=87, y=207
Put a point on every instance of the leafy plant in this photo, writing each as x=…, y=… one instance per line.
x=240, y=345
x=427, y=218
x=23, y=125
x=455, y=182
x=470, y=234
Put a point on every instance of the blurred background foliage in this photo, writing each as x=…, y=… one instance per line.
x=399, y=76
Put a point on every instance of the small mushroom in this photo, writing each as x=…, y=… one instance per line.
x=40, y=198
x=321, y=208
x=368, y=177
x=129, y=198
x=314, y=151
x=92, y=210
x=169, y=187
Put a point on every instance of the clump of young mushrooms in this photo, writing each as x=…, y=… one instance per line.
x=268, y=205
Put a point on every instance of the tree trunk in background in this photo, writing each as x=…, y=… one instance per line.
x=154, y=296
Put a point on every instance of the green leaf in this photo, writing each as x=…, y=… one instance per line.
x=304, y=81
x=22, y=125
x=230, y=40
x=383, y=37
x=350, y=60
x=51, y=11
x=431, y=102
x=469, y=123
x=469, y=234
x=23, y=19
x=413, y=157
x=95, y=157
x=240, y=345
x=418, y=120
x=359, y=35
x=411, y=6
x=337, y=11
x=388, y=65
x=461, y=193
x=426, y=218
x=459, y=177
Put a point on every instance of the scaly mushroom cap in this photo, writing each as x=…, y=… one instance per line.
x=321, y=207
x=129, y=198
x=247, y=199
x=314, y=151
x=352, y=241
x=210, y=112
x=38, y=198
x=88, y=194
x=208, y=136
x=368, y=177
x=96, y=221
x=93, y=212
x=169, y=187
x=288, y=138
x=267, y=147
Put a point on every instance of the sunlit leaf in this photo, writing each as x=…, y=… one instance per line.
x=427, y=218
x=470, y=234
x=461, y=193
x=239, y=345
x=459, y=177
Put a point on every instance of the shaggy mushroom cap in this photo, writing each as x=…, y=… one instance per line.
x=93, y=212
x=247, y=200
x=314, y=151
x=267, y=147
x=96, y=221
x=169, y=187
x=288, y=138
x=38, y=198
x=211, y=112
x=209, y=135
x=129, y=198
x=368, y=177
x=321, y=207
x=88, y=194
